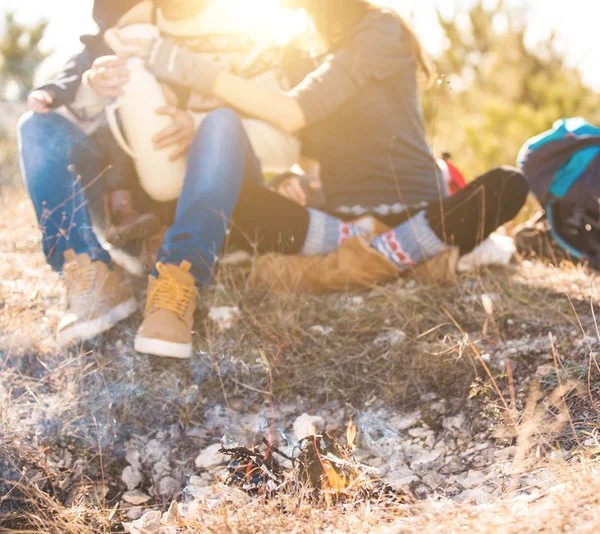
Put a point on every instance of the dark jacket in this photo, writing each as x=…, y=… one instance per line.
x=65, y=84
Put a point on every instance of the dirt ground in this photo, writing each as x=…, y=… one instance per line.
x=485, y=393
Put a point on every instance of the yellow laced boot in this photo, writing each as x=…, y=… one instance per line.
x=169, y=314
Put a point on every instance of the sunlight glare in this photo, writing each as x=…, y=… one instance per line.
x=267, y=14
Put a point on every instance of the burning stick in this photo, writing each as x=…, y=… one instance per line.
x=324, y=467
x=351, y=435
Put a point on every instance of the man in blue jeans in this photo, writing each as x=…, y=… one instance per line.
x=61, y=168
x=64, y=159
x=63, y=165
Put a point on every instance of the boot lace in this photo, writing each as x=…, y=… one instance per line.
x=82, y=279
x=169, y=294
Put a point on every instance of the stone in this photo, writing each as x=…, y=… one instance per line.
x=439, y=407
x=134, y=513
x=224, y=317
x=455, y=423
x=131, y=477
x=474, y=496
x=198, y=481
x=172, y=515
x=133, y=459
x=196, y=432
x=420, y=433
x=155, y=451
x=168, y=486
x=197, y=492
x=402, y=483
x=161, y=469
x=473, y=479
x=135, y=497
x=210, y=457
x=375, y=462
x=149, y=523
x=425, y=459
x=505, y=453
x=307, y=425
x=406, y=421
x=480, y=461
x=96, y=494
x=434, y=480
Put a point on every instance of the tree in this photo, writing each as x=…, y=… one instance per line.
x=495, y=92
x=20, y=53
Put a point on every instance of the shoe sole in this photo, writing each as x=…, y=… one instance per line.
x=164, y=349
x=90, y=329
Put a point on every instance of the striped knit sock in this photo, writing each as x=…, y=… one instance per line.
x=410, y=244
x=326, y=233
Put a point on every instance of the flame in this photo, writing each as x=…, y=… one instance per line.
x=332, y=482
x=351, y=434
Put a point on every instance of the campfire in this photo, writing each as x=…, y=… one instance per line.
x=320, y=468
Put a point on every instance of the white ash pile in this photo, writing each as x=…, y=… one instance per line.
x=426, y=453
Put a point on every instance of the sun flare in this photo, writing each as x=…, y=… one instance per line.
x=283, y=23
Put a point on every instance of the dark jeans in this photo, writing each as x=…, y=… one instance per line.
x=266, y=222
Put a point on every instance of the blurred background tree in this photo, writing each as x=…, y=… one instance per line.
x=20, y=54
x=495, y=92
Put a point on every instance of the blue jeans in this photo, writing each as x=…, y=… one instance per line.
x=62, y=170
x=220, y=159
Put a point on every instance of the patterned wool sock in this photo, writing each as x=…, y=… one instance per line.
x=410, y=244
x=326, y=233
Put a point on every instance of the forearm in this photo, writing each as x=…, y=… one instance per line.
x=190, y=70
x=261, y=103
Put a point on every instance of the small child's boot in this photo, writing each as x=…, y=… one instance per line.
x=124, y=224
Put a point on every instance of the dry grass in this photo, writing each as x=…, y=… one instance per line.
x=323, y=353
x=572, y=504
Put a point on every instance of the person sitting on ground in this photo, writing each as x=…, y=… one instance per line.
x=78, y=94
x=62, y=164
x=358, y=114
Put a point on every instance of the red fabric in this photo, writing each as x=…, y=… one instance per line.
x=457, y=179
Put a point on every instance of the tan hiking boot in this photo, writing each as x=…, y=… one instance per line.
x=354, y=265
x=439, y=270
x=169, y=315
x=97, y=299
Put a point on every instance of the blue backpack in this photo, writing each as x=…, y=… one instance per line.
x=563, y=169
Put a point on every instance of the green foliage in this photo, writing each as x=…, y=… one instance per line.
x=494, y=92
x=20, y=53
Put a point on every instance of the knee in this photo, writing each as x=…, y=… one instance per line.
x=222, y=125
x=37, y=129
x=515, y=183
x=225, y=118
